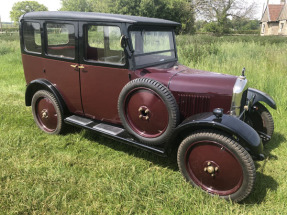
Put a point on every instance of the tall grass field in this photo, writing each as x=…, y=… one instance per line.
x=84, y=173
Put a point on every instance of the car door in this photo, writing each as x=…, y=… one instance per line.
x=104, y=70
x=61, y=61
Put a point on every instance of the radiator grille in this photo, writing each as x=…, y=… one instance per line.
x=192, y=104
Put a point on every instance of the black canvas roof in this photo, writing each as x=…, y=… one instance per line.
x=91, y=16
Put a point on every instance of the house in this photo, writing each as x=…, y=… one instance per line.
x=274, y=19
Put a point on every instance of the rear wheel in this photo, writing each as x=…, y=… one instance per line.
x=217, y=164
x=46, y=112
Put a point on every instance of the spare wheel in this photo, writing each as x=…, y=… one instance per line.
x=148, y=111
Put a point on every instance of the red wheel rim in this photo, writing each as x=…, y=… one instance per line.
x=225, y=176
x=152, y=124
x=46, y=114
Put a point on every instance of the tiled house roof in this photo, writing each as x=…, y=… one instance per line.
x=275, y=11
x=272, y=12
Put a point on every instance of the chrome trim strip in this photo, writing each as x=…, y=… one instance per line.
x=239, y=87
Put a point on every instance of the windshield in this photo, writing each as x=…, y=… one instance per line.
x=152, y=47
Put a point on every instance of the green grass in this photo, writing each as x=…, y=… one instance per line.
x=83, y=173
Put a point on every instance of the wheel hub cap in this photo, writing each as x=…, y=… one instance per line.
x=211, y=168
x=44, y=114
x=144, y=113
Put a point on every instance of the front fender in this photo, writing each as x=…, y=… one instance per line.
x=257, y=96
x=231, y=125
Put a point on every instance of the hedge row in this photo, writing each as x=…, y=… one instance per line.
x=9, y=30
x=246, y=32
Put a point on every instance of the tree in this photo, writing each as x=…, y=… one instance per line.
x=87, y=5
x=126, y=7
x=76, y=5
x=219, y=11
x=183, y=12
x=176, y=10
x=241, y=24
x=22, y=7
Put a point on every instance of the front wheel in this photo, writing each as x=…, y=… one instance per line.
x=217, y=164
x=262, y=121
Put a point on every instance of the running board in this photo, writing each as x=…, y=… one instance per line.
x=111, y=131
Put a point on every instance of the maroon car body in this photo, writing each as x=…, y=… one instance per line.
x=189, y=86
x=119, y=76
x=209, y=90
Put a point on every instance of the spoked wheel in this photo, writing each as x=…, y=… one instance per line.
x=46, y=112
x=148, y=111
x=217, y=164
x=262, y=121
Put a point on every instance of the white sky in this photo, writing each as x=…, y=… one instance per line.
x=6, y=7
x=53, y=5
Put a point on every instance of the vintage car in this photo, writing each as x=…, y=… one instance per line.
x=119, y=76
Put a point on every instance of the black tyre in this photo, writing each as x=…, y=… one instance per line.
x=46, y=112
x=217, y=164
x=261, y=120
x=148, y=111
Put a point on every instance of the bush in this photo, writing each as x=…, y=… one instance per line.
x=216, y=28
x=9, y=43
x=253, y=32
x=194, y=49
x=11, y=29
x=9, y=37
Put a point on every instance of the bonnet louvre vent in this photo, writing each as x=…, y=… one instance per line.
x=192, y=104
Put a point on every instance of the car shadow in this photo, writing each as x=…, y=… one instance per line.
x=277, y=139
x=166, y=162
x=263, y=183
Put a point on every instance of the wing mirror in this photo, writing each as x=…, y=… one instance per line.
x=126, y=45
x=124, y=41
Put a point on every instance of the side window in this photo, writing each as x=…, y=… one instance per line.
x=32, y=37
x=263, y=28
x=61, y=40
x=96, y=38
x=281, y=27
x=103, y=44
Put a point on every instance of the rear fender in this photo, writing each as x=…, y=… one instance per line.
x=42, y=84
x=242, y=132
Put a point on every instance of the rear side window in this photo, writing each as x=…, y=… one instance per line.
x=61, y=40
x=32, y=37
x=103, y=44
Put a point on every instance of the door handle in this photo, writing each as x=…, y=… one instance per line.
x=79, y=67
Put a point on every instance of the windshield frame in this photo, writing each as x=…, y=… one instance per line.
x=156, y=29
